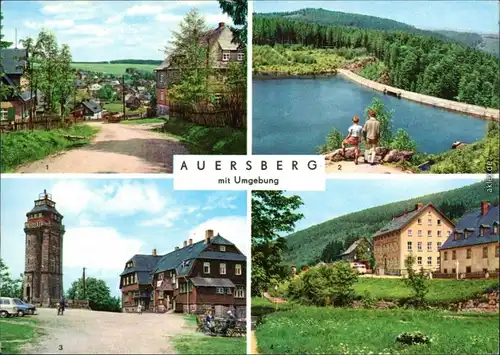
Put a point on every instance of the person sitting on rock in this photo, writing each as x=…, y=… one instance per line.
x=353, y=138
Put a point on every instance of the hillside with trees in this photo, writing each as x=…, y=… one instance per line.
x=418, y=63
x=310, y=245
x=337, y=18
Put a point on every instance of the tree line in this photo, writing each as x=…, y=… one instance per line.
x=417, y=63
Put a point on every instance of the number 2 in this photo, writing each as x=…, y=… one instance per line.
x=339, y=167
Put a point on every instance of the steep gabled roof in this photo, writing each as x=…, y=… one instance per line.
x=211, y=282
x=142, y=263
x=222, y=255
x=92, y=106
x=472, y=222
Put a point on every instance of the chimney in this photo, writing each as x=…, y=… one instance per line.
x=209, y=233
x=185, y=244
x=222, y=24
x=294, y=270
x=484, y=208
x=419, y=205
x=154, y=252
x=190, y=241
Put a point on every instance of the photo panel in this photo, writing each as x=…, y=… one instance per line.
x=155, y=269
x=121, y=86
x=372, y=266
x=378, y=87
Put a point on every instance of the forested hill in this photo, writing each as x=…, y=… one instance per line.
x=305, y=247
x=487, y=43
x=412, y=62
x=337, y=18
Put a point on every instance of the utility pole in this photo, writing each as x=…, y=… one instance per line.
x=84, y=290
x=123, y=95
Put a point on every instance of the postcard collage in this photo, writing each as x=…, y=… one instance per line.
x=249, y=177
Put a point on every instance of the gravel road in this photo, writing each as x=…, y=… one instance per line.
x=91, y=332
x=118, y=148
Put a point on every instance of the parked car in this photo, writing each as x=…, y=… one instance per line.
x=359, y=268
x=28, y=308
x=8, y=307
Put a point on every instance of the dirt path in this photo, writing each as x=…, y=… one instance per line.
x=91, y=332
x=274, y=299
x=118, y=148
x=350, y=167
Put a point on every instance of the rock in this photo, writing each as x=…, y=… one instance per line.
x=377, y=159
x=395, y=156
x=335, y=156
x=381, y=151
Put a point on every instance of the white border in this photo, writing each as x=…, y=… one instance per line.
x=249, y=76
x=249, y=272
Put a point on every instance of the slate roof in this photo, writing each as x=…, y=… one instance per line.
x=11, y=62
x=211, y=282
x=174, y=259
x=222, y=255
x=43, y=208
x=92, y=106
x=142, y=263
x=472, y=221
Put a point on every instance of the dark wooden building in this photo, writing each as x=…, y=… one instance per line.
x=136, y=281
x=43, y=272
x=209, y=274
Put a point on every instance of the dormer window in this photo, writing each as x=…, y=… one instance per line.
x=225, y=56
x=455, y=236
x=495, y=228
x=240, y=56
x=160, y=276
x=222, y=248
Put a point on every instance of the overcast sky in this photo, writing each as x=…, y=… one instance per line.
x=109, y=220
x=105, y=30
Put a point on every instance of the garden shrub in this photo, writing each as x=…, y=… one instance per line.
x=325, y=285
x=368, y=300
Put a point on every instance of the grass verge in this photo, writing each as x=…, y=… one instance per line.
x=14, y=333
x=440, y=291
x=207, y=140
x=22, y=147
x=309, y=330
x=118, y=107
x=203, y=344
x=144, y=121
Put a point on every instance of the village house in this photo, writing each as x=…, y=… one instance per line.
x=419, y=232
x=132, y=102
x=472, y=246
x=354, y=252
x=20, y=100
x=222, y=50
x=136, y=281
x=91, y=110
x=209, y=274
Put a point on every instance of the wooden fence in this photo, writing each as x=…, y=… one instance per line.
x=466, y=276
x=44, y=123
x=226, y=112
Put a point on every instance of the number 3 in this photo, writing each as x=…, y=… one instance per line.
x=60, y=347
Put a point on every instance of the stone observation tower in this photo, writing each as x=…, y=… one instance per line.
x=43, y=273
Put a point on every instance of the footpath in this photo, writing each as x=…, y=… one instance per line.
x=472, y=110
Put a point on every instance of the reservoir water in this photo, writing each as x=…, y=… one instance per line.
x=294, y=116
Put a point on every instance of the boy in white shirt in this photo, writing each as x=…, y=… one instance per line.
x=353, y=138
